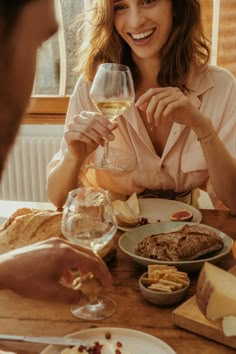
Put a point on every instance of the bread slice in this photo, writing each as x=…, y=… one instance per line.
x=27, y=226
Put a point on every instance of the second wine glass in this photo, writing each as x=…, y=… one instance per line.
x=112, y=92
x=88, y=220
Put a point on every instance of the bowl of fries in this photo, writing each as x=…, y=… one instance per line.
x=164, y=285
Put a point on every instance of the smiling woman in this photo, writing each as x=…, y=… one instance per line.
x=57, y=58
x=175, y=115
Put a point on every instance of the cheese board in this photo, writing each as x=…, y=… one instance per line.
x=189, y=317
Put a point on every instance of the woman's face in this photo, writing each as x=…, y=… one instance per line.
x=144, y=24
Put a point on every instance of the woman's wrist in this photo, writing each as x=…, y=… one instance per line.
x=71, y=159
x=209, y=138
x=204, y=131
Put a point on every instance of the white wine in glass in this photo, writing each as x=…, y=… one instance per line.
x=112, y=92
x=113, y=109
x=88, y=220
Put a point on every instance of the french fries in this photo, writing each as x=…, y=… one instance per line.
x=165, y=278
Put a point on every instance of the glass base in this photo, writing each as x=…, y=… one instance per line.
x=104, y=308
x=102, y=166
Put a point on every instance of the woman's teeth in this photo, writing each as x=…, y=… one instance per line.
x=141, y=35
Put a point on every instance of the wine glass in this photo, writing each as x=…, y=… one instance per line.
x=112, y=92
x=88, y=220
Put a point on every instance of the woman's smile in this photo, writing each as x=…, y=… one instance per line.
x=143, y=35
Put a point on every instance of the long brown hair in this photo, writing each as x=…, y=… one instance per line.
x=187, y=45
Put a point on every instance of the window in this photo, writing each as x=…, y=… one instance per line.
x=57, y=57
x=220, y=24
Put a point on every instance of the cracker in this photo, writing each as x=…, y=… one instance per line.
x=161, y=277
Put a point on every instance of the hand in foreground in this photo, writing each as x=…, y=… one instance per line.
x=36, y=271
x=169, y=102
x=86, y=132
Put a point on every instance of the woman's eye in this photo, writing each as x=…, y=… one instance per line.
x=119, y=7
x=146, y=2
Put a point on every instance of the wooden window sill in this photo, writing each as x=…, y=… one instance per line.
x=46, y=110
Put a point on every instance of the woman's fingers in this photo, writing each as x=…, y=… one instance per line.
x=166, y=102
x=90, y=127
x=154, y=102
x=93, y=138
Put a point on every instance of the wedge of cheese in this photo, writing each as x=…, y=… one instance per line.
x=127, y=212
x=134, y=204
x=216, y=292
x=124, y=214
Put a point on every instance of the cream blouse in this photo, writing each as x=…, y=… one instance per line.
x=182, y=165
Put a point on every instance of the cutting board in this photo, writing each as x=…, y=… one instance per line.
x=188, y=316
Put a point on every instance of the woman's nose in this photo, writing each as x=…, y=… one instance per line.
x=136, y=18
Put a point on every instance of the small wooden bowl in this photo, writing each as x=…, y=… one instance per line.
x=162, y=298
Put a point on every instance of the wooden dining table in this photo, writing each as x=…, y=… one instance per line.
x=22, y=316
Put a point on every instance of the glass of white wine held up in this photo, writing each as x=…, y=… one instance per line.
x=88, y=219
x=112, y=92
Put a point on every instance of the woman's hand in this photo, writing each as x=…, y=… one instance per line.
x=40, y=270
x=169, y=102
x=86, y=132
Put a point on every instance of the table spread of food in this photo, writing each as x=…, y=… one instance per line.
x=165, y=253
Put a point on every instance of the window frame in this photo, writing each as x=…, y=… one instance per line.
x=46, y=110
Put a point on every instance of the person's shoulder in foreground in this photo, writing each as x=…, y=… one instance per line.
x=50, y=260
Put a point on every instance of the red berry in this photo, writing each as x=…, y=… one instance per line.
x=108, y=335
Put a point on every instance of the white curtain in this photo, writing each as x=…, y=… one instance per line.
x=87, y=4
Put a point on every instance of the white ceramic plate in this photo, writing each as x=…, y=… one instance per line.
x=160, y=209
x=128, y=241
x=135, y=342
x=2, y=220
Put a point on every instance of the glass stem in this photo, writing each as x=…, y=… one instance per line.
x=106, y=151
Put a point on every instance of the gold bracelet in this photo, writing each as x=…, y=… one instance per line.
x=207, y=138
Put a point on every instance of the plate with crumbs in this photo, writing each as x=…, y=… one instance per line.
x=130, y=239
x=130, y=342
x=155, y=210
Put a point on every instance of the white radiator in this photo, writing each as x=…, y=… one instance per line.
x=24, y=177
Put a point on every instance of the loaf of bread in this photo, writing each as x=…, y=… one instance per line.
x=183, y=244
x=27, y=226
